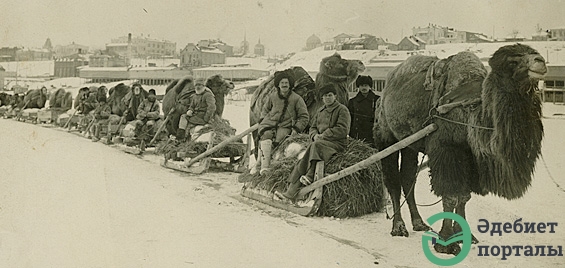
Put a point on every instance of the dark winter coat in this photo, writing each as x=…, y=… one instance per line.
x=362, y=111
x=295, y=116
x=148, y=110
x=133, y=101
x=203, y=105
x=103, y=111
x=332, y=123
x=89, y=104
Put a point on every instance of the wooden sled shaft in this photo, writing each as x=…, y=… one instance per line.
x=369, y=161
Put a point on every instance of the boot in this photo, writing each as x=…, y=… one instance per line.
x=257, y=165
x=180, y=135
x=266, y=147
x=292, y=191
x=96, y=136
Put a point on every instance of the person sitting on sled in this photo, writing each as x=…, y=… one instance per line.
x=147, y=113
x=101, y=115
x=329, y=135
x=284, y=113
x=200, y=112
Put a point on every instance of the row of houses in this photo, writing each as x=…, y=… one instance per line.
x=421, y=36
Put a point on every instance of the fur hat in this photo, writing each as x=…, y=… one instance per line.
x=152, y=92
x=364, y=80
x=280, y=75
x=200, y=81
x=327, y=89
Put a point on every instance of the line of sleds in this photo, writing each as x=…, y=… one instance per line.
x=191, y=156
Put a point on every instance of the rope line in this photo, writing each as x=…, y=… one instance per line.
x=461, y=123
x=550, y=176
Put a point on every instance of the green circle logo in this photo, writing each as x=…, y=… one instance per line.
x=464, y=236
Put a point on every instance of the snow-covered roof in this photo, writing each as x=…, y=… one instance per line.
x=211, y=50
x=117, y=45
x=227, y=68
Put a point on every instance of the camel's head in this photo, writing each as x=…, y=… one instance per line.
x=518, y=62
x=340, y=69
x=217, y=82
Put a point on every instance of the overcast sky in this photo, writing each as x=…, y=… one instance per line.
x=282, y=25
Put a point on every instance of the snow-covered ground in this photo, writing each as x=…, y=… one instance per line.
x=68, y=202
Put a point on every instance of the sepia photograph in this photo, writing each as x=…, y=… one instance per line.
x=282, y=133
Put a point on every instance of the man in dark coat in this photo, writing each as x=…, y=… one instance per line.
x=101, y=115
x=148, y=113
x=201, y=110
x=329, y=135
x=362, y=110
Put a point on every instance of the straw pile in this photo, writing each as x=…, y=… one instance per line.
x=354, y=195
x=222, y=131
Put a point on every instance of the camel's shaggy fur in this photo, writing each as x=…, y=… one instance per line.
x=493, y=147
x=36, y=98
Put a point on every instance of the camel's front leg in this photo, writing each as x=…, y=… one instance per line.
x=449, y=205
x=460, y=210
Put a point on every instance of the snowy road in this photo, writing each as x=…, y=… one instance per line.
x=68, y=202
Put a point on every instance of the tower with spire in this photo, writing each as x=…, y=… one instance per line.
x=259, y=49
x=244, y=45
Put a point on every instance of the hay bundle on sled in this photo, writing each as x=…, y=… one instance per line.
x=354, y=195
x=222, y=130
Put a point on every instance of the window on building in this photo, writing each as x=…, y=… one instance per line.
x=379, y=85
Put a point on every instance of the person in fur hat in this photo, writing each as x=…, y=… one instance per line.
x=284, y=113
x=362, y=110
x=200, y=112
x=147, y=113
x=329, y=135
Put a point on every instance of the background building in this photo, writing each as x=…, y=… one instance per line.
x=259, y=49
x=434, y=34
x=8, y=53
x=69, y=66
x=195, y=56
x=227, y=49
x=557, y=34
x=313, y=42
x=411, y=43
x=142, y=47
x=70, y=49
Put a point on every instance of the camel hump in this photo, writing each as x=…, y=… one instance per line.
x=455, y=79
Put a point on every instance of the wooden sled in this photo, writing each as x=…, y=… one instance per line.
x=136, y=149
x=49, y=116
x=210, y=150
x=316, y=187
x=307, y=207
x=189, y=165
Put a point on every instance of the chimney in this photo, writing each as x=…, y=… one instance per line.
x=128, y=56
